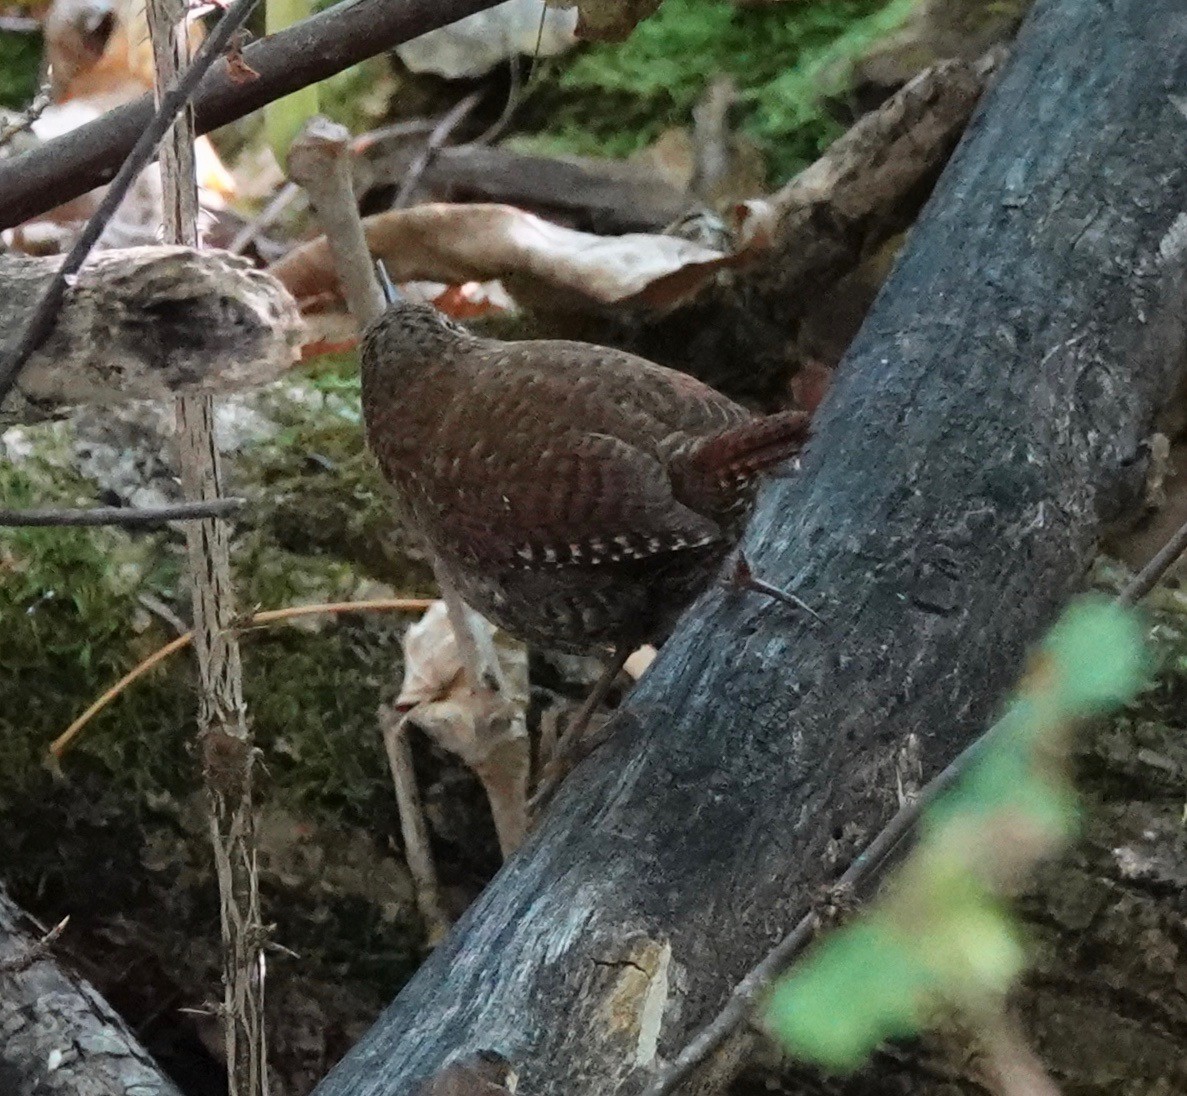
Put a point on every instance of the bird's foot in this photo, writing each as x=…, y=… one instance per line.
x=576, y=744
x=741, y=577
x=570, y=752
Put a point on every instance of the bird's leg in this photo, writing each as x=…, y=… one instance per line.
x=741, y=577
x=569, y=747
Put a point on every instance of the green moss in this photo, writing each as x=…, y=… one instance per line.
x=616, y=99
x=73, y=623
x=20, y=60
x=119, y=832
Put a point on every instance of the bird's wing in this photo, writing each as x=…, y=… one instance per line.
x=678, y=403
x=580, y=500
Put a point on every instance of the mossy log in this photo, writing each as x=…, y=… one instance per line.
x=989, y=418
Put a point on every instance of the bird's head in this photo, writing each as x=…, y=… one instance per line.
x=408, y=335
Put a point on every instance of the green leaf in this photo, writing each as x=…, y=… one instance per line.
x=941, y=937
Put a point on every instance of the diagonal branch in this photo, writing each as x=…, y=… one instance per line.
x=309, y=51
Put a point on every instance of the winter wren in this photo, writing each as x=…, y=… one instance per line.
x=579, y=497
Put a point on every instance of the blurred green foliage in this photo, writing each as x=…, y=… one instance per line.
x=942, y=936
x=784, y=58
x=20, y=58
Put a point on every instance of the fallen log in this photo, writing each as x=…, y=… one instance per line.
x=988, y=419
x=610, y=197
x=58, y=1037
x=145, y=323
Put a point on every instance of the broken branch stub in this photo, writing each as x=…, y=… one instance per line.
x=147, y=323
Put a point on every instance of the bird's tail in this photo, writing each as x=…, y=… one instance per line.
x=723, y=465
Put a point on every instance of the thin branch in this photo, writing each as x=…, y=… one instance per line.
x=12, y=964
x=441, y=131
x=262, y=619
x=281, y=200
x=41, y=321
x=27, y=117
x=224, y=735
x=514, y=97
x=1147, y=578
x=123, y=515
x=309, y=51
x=864, y=869
x=418, y=852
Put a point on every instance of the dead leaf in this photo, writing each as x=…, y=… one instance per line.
x=473, y=46
x=541, y=263
x=608, y=20
x=434, y=687
x=485, y=1073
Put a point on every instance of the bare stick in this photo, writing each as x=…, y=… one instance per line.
x=1147, y=578
x=26, y=117
x=10, y=964
x=281, y=200
x=172, y=102
x=228, y=754
x=319, y=162
x=441, y=131
x=417, y=851
x=123, y=515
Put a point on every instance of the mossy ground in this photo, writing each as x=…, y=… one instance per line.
x=785, y=59
x=117, y=837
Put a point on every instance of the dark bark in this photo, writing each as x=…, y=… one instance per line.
x=303, y=54
x=988, y=418
x=58, y=1037
x=1106, y=1002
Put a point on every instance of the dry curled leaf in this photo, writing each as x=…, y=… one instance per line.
x=435, y=691
x=608, y=20
x=541, y=263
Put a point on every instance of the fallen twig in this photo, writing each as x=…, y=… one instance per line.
x=27, y=116
x=123, y=515
x=267, y=617
x=11, y=964
x=452, y=119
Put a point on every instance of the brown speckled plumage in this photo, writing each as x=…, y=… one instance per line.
x=577, y=496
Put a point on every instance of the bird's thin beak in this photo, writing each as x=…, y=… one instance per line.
x=390, y=293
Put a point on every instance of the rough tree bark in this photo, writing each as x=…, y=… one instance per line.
x=143, y=323
x=987, y=420
x=58, y=1037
